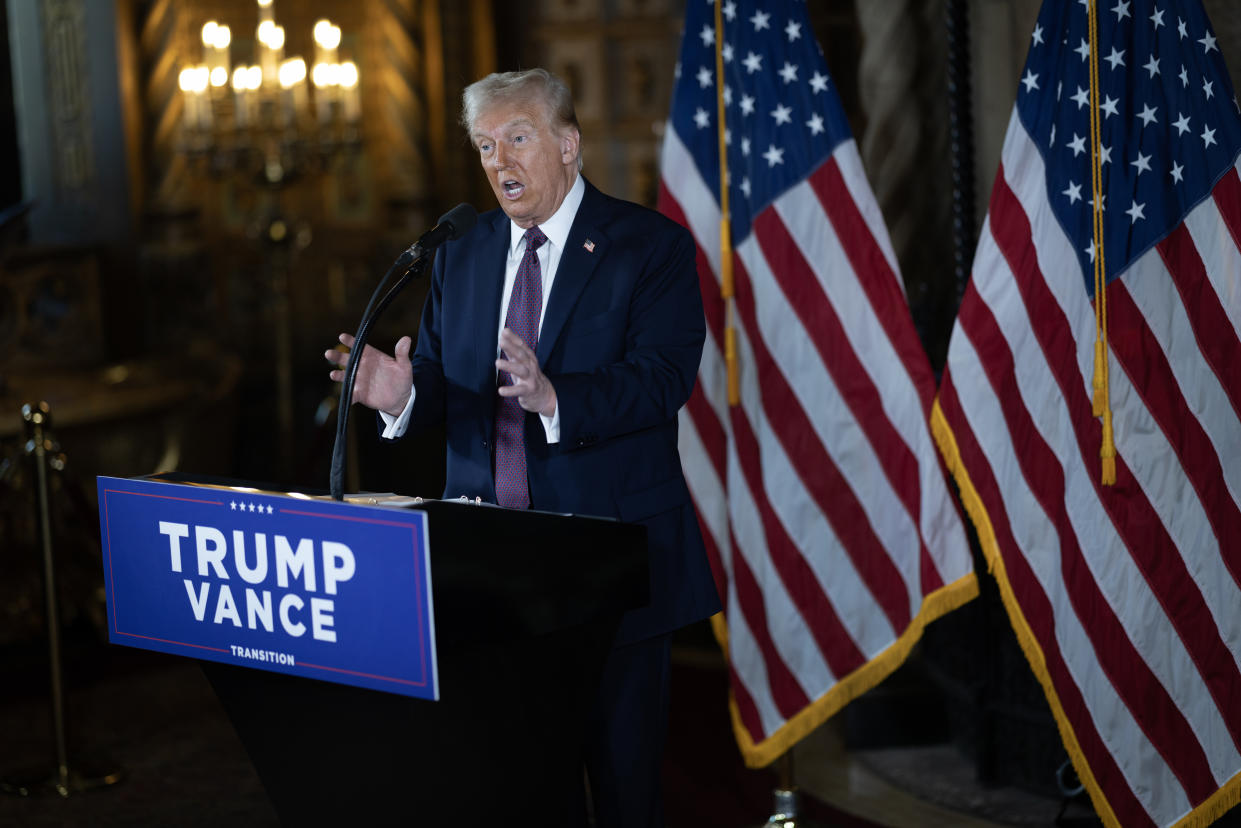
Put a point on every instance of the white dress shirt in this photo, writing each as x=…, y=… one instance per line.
x=556, y=229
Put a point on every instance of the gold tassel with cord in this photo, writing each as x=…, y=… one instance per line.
x=1099, y=400
x=730, y=359
x=1107, y=452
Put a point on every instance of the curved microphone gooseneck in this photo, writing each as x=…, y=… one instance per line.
x=452, y=225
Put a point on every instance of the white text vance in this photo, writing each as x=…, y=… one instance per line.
x=293, y=565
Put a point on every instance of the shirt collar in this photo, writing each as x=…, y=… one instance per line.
x=558, y=226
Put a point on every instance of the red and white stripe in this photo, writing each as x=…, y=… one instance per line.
x=822, y=497
x=1128, y=597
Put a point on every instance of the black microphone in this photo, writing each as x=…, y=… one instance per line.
x=452, y=225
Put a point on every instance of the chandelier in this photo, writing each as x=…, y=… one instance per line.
x=250, y=107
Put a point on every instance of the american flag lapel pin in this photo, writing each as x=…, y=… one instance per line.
x=589, y=245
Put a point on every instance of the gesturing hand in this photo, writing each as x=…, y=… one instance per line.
x=383, y=381
x=533, y=390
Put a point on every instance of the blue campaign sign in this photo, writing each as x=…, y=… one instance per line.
x=315, y=588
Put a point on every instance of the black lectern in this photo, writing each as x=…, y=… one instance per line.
x=526, y=606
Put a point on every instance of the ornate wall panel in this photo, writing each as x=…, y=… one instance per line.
x=642, y=91
x=67, y=110
x=618, y=57
x=640, y=171
x=570, y=11
x=580, y=62
x=69, y=99
x=650, y=8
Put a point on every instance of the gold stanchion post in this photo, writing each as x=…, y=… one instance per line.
x=63, y=781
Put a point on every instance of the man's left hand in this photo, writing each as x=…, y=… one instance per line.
x=533, y=390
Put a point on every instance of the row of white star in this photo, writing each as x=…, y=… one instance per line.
x=1121, y=10
x=1078, y=144
x=1148, y=115
x=754, y=63
x=1135, y=211
x=782, y=115
x=250, y=507
x=1030, y=81
x=760, y=20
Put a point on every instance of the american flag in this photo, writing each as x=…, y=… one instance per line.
x=1126, y=598
x=825, y=506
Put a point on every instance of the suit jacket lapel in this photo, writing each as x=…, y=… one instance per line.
x=488, y=278
x=584, y=250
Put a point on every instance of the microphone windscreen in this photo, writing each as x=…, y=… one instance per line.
x=461, y=219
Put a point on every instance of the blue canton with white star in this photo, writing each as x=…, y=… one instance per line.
x=1170, y=124
x=782, y=117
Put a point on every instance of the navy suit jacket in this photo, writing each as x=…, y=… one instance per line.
x=621, y=340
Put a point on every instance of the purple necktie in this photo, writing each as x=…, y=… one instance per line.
x=524, y=307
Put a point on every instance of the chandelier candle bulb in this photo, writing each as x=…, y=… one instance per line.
x=241, y=94
x=293, y=84
x=269, y=53
x=324, y=92
x=216, y=39
x=327, y=39
x=327, y=88
x=193, y=81
x=350, y=91
x=185, y=80
x=221, y=44
x=201, y=83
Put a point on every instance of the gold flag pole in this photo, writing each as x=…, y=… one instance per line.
x=1101, y=400
x=727, y=291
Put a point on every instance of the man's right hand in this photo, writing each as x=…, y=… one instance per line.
x=383, y=382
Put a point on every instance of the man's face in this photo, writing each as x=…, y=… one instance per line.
x=530, y=163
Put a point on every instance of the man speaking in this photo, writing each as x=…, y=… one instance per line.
x=558, y=342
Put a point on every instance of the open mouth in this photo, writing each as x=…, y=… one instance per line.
x=512, y=189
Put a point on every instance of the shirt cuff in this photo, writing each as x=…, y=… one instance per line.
x=394, y=427
x=551, y=426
